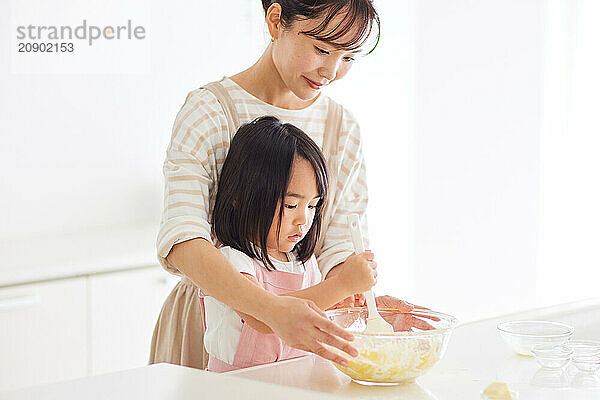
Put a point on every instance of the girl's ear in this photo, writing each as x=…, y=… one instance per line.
x=274, y=20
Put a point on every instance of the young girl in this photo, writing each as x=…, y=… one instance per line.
x=267, y=216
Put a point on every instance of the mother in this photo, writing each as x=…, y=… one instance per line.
x=313, y=43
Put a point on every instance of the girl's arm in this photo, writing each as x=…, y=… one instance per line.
x=357, y=276
x=353, y=199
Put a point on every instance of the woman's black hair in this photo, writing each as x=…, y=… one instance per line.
x=255, y=177
x=361, y=12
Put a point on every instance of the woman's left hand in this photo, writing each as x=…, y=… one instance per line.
x=382, y=302
x=405, y=322
x=394, y=303
x=400, y=322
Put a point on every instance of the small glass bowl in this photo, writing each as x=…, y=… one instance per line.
x=586, y=355
x=584, y=347
x=552, y=356
x=521, y=336
x=587, y=363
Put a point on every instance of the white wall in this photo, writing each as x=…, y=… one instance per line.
x=482, y=201
x=450, y=110
x=379, y=91
x=569, y=262
x=83, y=147
x=477, y=135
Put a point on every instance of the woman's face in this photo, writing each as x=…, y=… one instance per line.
x=306, y=64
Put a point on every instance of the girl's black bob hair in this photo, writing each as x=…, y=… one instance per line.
x=360, y=14
x=254, y=180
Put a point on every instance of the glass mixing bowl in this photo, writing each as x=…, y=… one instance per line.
x=417, y=343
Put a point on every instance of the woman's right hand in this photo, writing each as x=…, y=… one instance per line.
x=302, y=325
x=358, y=273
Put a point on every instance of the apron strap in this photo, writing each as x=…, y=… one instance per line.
x=331, y=136
x=223, y=97
x=233, y=123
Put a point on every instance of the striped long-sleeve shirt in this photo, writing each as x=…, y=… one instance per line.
x=195, y=156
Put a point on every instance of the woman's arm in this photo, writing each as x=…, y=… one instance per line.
x=298, y=322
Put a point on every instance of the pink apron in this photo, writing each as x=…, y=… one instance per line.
x=255, y=348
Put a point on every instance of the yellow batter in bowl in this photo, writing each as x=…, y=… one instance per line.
x=398, y=357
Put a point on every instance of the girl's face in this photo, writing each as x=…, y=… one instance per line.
x=299, y=209
x=306, y=64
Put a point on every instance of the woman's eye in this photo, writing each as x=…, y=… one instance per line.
x=290, y=206
x=321, y=51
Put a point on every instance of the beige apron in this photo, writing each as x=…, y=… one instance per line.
x=179, y=333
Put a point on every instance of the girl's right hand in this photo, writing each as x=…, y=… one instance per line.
x=302, y=325
x=358, y=273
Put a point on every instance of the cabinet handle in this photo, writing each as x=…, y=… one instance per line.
x=12, y=303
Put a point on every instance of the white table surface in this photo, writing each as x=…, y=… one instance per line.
x=161, y=382
x=475, y=357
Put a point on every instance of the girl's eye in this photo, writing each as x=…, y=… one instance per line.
x=348, y=59
x=290, y=206
x=321, y=51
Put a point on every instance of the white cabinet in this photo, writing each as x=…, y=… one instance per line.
x=73, y=328
x=43, y=333
x=124, y=307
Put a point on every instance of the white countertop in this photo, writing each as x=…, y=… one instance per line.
x=161, y=382
x=475, y=357
x=34, y=258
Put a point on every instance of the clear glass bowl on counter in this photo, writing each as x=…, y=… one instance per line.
x=398, y=357
x=586, y=355
x=584, y=347
x=521, y=336
x=587, y=364
x=552, y=356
